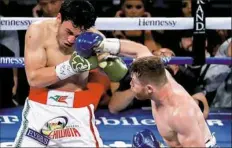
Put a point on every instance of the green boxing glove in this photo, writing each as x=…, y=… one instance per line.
x=76, y=64
x=114, y=67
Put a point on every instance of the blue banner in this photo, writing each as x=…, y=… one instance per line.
x=118, y=130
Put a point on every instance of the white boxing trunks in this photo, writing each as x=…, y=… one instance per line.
x=211, y=143
x=59, y=119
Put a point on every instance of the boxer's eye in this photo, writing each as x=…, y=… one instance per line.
x=69, y=32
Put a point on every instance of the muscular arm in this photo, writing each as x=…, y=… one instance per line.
x=35, y=59
x=132, y=49
x=185, y=124
x=120, y=100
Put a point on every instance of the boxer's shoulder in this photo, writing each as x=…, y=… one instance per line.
x=41, y=28
x=36, y=28
x=44, y=22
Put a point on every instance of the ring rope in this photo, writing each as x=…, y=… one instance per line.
x=138, y=23
x=12, y=62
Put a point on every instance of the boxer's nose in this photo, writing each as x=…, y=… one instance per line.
x=71, y=39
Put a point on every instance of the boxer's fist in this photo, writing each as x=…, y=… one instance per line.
x=85, y=43
x=80, y=64
x=89, y=42
x=76, y=64
x=145, y=139
x=114, y=67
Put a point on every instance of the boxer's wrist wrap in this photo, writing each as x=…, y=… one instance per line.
x=110, y=45
x=64, y=70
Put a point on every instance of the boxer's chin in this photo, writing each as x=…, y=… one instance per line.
x=62, y=45
x=141, y=96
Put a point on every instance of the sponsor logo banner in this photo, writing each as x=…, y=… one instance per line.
x=57, y=128
x=123, y=121
x=37, y=136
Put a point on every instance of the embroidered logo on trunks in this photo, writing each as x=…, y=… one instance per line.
x=57, y=128
x=37, y=136
x=61, y=99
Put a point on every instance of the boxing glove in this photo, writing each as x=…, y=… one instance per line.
x=89, y=42
x=145, y=139
x=85, y=43
x=76, y=64
x=114, y=67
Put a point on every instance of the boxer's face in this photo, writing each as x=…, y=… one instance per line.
x=67, y=34
x=133, y=8
x=138, y=88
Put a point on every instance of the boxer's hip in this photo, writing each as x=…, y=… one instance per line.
x=49, y=125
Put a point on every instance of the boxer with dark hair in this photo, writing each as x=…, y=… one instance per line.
x=59, y=110
x=178, y=118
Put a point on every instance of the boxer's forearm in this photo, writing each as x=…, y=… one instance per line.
x=120, y=100
x=42, y=77
x=132, y=49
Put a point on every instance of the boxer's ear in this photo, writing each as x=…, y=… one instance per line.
x=58, y=17
x=150, y=89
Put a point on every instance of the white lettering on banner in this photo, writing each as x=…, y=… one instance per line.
x=200, y=26
x=166, y=59
x=148, y=122
x=200, y=2
x=124, y=121
x=12, y=119
x=215, y=122
x=4, y=119
x=120, y=144
x=134, y=121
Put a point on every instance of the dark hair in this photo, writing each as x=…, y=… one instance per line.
x=80, y=12
x=150, y=69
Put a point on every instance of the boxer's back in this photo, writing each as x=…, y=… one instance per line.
x=165, y=116
x=56, y=55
